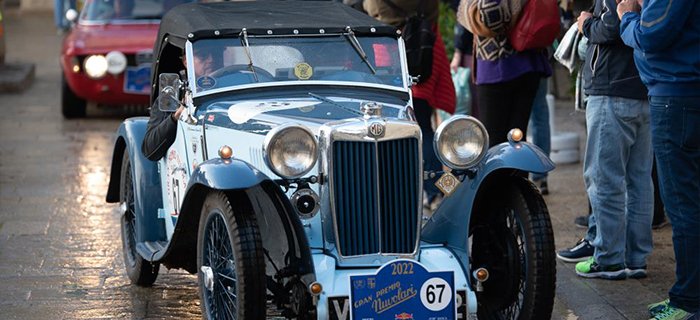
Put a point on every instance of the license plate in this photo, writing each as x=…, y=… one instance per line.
x=137, y=80
x=403, y=290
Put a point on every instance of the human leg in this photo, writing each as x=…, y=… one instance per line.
x=640, y=189
x=607, y=151
x=423, y=113
x=58, y=13
x=494, y=110
x=675, y=127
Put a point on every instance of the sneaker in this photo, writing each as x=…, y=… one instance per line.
x=581, y=222
x=542, y=185
x=671, y=313
x=591, y=269
x=582, y=251
x=636, y=272
x=659, y=224
x=656, y=308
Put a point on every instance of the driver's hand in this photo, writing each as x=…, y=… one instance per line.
x=177, y=113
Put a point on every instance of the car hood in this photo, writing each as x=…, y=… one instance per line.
x=260, y=116
x=127, y=38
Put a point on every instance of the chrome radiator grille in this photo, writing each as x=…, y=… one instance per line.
x=376, y=196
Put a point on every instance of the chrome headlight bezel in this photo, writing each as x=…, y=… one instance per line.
x=95, y=66
x=441, y=134
x=275, y=134
x=116, y=62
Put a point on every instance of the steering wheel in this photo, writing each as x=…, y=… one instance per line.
x=236, y=68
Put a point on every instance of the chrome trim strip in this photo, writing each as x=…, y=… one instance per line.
x=299, y=83
x=190, y=68
x=117, y=22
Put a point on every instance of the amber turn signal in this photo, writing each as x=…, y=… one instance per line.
x=315, y=288
x=481, y=274
x=515, y=135
x=225, y=152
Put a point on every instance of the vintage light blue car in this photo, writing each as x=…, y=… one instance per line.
x=296, y=178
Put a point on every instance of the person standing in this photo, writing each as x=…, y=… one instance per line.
x=506, y=80
x=617, y=163
x=665, y=37
x=59, y=13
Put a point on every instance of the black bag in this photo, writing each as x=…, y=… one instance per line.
x=419, y=38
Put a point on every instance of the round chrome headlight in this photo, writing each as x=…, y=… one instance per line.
x=461, y=142
x=290, y=150
x=116, y=62
x=95, y=66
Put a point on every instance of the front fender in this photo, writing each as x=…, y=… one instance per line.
x=147, y=190
x=450, y=222
x=250, y=192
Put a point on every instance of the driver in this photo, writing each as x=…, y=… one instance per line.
x=123, y=9
x=162, y=125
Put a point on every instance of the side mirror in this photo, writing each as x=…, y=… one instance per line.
x=72, y=15
x=169, y=96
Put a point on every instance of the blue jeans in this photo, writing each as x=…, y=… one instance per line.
x=617, y=173
x=539, y=124
x=675, y=126
x=59, y=12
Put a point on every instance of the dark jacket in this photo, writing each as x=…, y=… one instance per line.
x=610, y=68
x=666, y=39
x=160, y=134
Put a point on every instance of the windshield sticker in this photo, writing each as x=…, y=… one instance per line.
x=303, y=71
x=240, y=113
x=206, y=82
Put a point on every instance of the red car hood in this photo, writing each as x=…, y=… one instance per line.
x=127, y=38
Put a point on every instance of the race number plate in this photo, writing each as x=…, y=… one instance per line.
x=403, y=289
x=137, y=80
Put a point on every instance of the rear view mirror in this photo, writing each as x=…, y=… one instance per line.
x=169, y=96
x=72, y=15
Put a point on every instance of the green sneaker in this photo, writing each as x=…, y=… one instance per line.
x=656, y=308
x=671, y=313
x=591, y=269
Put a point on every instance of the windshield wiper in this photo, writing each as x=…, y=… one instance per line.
x=329, y=101
x=350, y=35
x=246, y=46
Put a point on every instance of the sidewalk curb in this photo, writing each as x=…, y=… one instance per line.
x=16, y=77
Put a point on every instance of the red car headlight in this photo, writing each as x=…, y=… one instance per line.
x=95, y=66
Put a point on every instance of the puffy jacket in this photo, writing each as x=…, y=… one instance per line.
x=610, y=69
x=666, y=39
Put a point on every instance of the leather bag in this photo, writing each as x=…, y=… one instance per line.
x=537, y=26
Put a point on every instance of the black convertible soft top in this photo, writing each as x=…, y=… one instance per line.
x=195, y=21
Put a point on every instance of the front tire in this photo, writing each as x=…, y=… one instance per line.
x=141, y=272
x=72, y=106
x=230, y=262
x=513, y=239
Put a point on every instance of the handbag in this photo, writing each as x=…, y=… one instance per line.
x=537, y=27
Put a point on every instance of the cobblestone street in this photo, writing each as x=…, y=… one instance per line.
x=60, y=243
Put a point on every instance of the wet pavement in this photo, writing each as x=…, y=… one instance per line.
x=60, y=245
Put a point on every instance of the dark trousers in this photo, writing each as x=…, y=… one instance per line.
x=507, y=105
x=430, y=161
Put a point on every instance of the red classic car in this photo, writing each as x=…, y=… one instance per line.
x=106, y=57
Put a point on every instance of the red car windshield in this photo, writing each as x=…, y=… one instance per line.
x=108, y=10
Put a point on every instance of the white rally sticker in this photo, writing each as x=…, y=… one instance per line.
x=240, y=113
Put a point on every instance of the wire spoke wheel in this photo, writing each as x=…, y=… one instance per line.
x=231, y=265
x=514, y=241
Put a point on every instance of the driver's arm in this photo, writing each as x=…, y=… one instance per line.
x=160, y=134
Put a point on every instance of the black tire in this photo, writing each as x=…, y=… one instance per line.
x=513, y=239
x=230, y=245
x=72, y=106
x=141, y=272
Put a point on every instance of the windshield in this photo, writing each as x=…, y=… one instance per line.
x=221, y=63
x=105, y=10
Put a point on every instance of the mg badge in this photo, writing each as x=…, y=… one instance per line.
x=376, y=129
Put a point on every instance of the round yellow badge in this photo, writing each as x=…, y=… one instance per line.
x=303, y=71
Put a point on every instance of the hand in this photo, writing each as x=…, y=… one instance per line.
x=581, y=19
x=625, y=6
x=177, y=113
x=456, y=61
